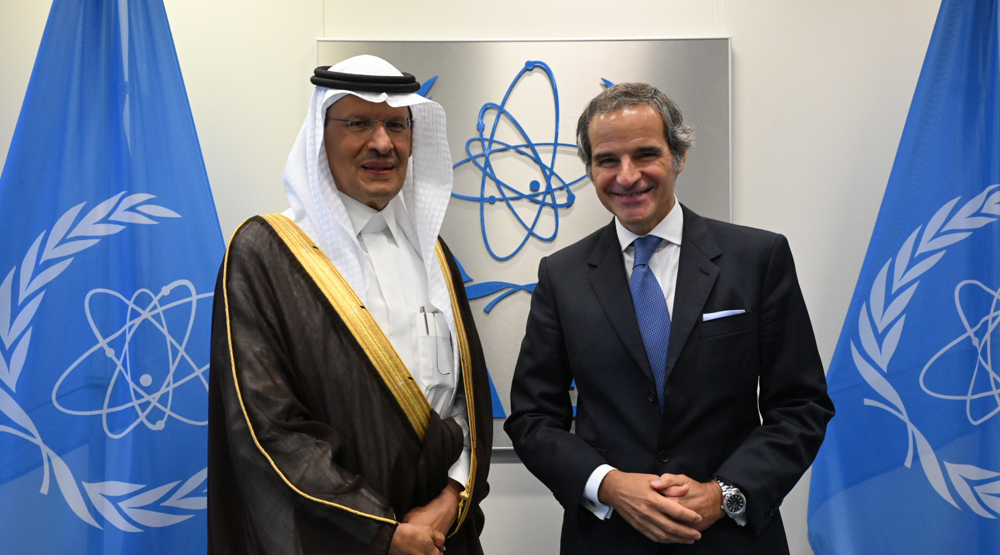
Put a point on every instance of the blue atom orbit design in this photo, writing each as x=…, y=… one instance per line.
x=143, y=308
x=554, y=183
x=982, y=397
x=489, y=146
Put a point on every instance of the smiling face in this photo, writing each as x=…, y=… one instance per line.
x=369, y=167
x=632, y=166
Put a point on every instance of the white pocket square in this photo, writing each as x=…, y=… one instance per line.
x=721, y=314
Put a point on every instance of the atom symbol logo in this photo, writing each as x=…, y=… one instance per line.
x=544, y=192
x=144, y=349
x=970, y=355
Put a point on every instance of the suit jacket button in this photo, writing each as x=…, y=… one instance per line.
x=651, y=397
x=664, y=457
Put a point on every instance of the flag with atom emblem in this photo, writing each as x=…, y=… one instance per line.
x=911, y=462
x=110, y=250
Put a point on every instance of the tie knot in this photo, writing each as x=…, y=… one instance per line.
x=644, y=247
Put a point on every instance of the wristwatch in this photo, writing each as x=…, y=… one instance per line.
x=733, y=501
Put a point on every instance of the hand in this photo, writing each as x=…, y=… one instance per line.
x=441, y=512
x=416, y=539
x=702, y=498
x=659, y=517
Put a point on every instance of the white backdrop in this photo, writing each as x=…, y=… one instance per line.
x=820, y=94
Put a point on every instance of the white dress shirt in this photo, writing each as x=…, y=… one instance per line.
x=397, y=299
x=663, y=263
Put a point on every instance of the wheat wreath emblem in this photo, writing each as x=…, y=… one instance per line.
x=21, y=293
x=880, y=326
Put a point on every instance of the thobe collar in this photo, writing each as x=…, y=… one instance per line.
x=366, y=219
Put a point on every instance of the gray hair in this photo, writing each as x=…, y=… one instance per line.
x=623, y=95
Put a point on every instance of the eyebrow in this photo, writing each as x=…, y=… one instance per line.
x=640, y=151
x=649, y=150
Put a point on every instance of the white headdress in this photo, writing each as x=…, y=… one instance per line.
x=317, y=209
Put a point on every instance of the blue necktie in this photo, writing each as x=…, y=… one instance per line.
x=651, y=310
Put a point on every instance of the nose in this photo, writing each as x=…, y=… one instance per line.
x=628, y=172
x=380, y=140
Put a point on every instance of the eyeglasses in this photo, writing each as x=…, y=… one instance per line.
x=395, y=126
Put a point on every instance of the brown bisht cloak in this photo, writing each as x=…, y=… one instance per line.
x=319, y=438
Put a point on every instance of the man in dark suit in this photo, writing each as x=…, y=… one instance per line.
x=701, y=398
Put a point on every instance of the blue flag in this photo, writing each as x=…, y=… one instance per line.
x=108, y=260
x=911, y=463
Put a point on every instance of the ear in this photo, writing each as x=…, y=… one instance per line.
x=680, y=167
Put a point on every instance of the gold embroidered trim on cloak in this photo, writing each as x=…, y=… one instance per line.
x=465, y=358
x=358, y=320
x=239, y=396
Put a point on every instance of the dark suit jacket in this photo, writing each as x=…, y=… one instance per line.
x=582, y=326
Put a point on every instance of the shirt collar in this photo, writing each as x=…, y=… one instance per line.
x=670, y=228
x=360, y=214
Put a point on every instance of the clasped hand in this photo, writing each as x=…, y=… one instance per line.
x=667, y=509
x=422, y=530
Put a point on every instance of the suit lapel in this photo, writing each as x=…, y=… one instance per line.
x=611, y=288
x=696, y=275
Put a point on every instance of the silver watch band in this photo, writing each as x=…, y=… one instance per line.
x=734, y=503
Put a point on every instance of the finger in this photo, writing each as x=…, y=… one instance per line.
x=430, y=548
x=655, y=519
x=670, y=491
x=667, y=532
x=678, y=534
x=664, y=512
x=438, y=539
x=680, y=529
x=678, y=512
x=674, y=518
x=667, y=480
